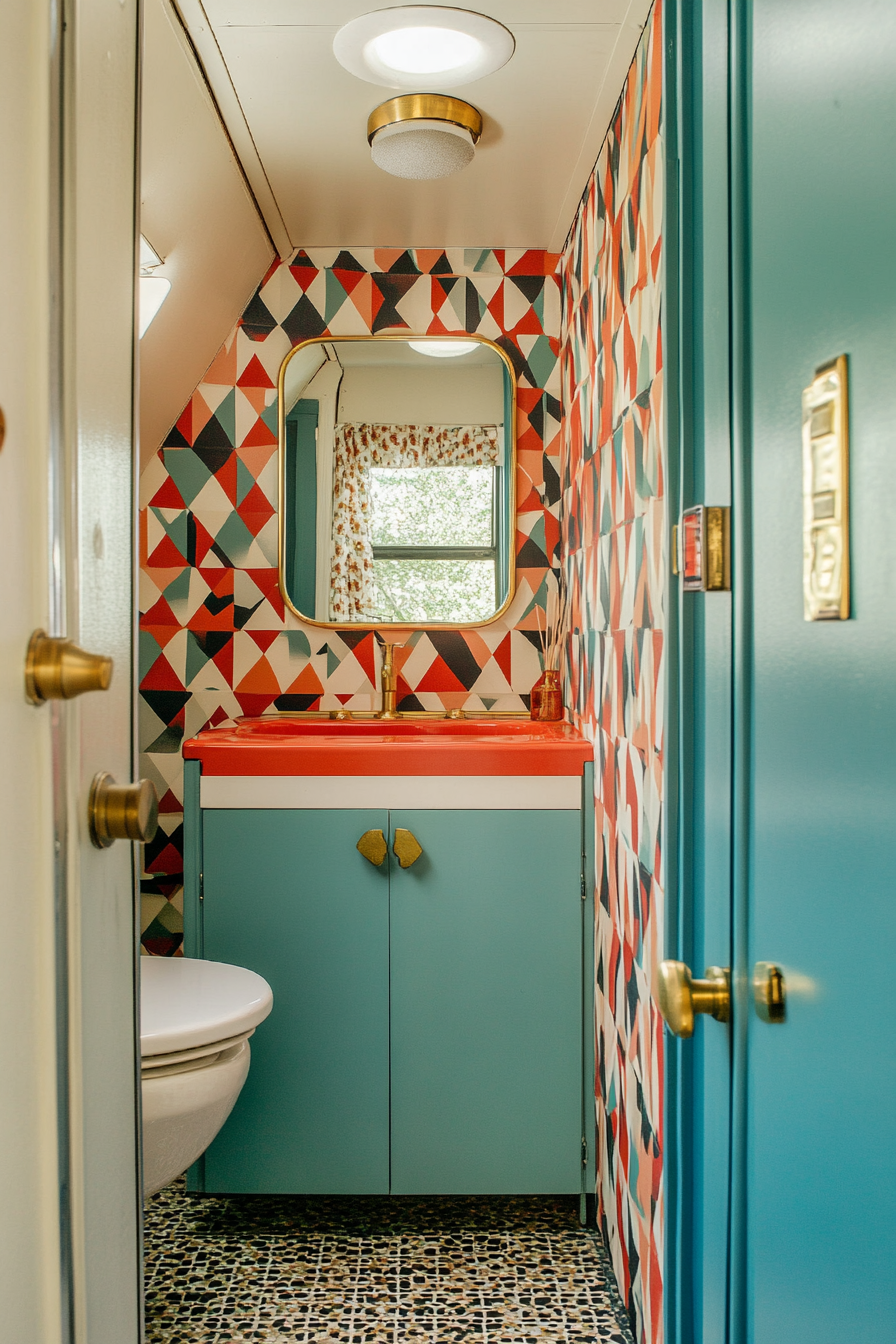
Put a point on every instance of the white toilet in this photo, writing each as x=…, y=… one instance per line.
x=196, y=1018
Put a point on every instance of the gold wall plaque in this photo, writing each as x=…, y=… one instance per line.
x=826, y=494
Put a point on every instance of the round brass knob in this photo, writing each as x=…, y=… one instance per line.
x=56, y=669
x=122, y=811
x=680, y=998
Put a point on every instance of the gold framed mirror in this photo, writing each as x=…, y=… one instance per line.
x=397, y=495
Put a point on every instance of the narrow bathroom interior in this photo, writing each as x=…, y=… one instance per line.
x=435, y=1167
x=446, y=508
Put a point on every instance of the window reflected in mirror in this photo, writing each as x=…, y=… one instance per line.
x=397, y=474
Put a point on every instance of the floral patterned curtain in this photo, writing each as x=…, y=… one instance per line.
x=357, y=449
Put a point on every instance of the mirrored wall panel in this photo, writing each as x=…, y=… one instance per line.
x=397, y=479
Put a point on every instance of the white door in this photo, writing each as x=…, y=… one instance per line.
x=69, y=1143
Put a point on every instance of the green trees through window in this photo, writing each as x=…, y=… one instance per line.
x=434, y=543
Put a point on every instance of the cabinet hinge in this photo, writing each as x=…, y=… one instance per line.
x=202, y=886
x=584, y=1151
x=584, y=894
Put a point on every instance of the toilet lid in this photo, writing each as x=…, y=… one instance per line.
x=186, y=1003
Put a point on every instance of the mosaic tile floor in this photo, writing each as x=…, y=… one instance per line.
x=304, y=1270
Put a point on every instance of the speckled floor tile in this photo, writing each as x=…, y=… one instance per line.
x=309, y=1270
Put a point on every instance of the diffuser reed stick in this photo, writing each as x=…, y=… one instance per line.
x=546, y=700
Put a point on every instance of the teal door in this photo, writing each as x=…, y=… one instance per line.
x=487, y=1005
x=781, y=122
x=287, y=894
x=816, y=890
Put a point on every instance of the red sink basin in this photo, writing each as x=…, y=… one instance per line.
x=295, y=746
x=269, y=726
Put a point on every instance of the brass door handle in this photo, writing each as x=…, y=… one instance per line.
x=680, y=998
x=56, y=669
x=373, y=846
x=121, y=811
x=406, y=847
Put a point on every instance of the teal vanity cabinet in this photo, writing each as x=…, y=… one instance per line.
x=428, y=1028
x=286, y=893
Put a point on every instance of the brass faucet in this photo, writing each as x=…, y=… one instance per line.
x=388, y=684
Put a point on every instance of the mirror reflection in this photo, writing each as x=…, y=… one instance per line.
x=396, y=481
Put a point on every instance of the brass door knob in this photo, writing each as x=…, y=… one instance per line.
x=122, y=811
x=680, y=998
x=406, y=847
x=373, y=846
x=56, y=669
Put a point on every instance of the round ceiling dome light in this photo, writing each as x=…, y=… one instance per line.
x=398, y=47
x=423, y=135
x=443, y=349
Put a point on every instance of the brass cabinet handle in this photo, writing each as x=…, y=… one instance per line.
x=680, y=998
x=121, y=811
x=56, y=669
x=769, y=992
x=406, y=847
x=373, y=846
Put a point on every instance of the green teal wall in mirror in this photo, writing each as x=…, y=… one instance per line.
x=397, y=475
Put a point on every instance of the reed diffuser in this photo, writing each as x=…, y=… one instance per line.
x=546, y=701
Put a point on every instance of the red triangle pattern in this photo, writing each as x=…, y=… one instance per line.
x=502, y=657
x=257, y=505
x=254, y=375
x=161, y=677
x=166, y=554
x=306, y=683
x=263, y=638
x=260, y=434
x=167, y=496
x=439, y=677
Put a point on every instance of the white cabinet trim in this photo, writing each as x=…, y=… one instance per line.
x=495, y=792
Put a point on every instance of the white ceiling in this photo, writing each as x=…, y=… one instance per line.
x=298, y=122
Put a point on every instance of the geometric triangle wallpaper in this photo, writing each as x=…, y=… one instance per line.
x=614, y=546
x=215, y=640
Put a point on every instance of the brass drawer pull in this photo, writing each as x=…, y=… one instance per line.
x=373, y=846
x=406, y=847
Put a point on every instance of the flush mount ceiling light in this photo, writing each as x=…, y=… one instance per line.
x=423, y=135
x=401, y=47
x=443, y=349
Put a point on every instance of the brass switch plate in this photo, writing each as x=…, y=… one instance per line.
x=703, y=546
x=826, y=494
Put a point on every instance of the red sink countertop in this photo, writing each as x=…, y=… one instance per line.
x=283, y=746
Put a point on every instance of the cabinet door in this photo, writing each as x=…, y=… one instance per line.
x=287, y=894
x=487, y=1005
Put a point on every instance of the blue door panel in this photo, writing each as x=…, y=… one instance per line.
x=822, y=1088
x=287, y=894
x=487, y=1004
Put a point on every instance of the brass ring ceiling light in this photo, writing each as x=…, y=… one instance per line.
x=403, y=47
x=423, y=135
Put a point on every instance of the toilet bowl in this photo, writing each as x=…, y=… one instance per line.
x=196, y=1018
